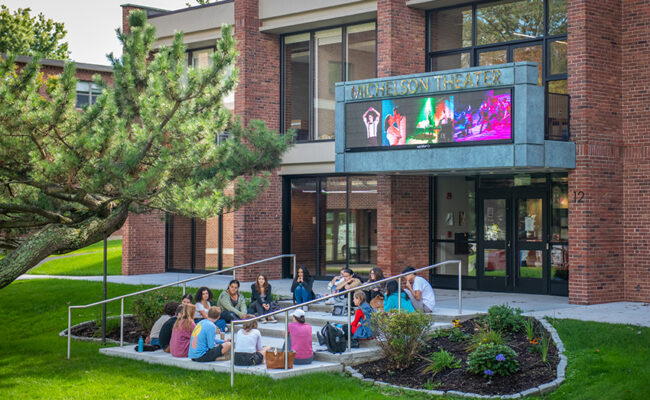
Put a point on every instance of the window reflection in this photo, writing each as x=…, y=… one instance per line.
x=507, y=21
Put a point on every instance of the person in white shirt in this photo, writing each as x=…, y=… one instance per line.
x=419, y=291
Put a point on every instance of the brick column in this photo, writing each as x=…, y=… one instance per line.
x=402, y=223
x=258, y=226
x=596, y=239
x=636, y=154
x=400, y=39
x=143, y=244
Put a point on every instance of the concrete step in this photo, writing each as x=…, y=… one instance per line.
x=368, y=351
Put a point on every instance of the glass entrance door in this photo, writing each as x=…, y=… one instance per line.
x=512, y=246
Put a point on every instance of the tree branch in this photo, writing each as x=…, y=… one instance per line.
x=52, y=216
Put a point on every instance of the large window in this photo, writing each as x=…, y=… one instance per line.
x=500, y=32
x=312, y=63
x=87, y=93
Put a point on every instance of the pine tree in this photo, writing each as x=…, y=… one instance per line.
x=67, y=177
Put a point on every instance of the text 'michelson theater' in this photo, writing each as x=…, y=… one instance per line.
x=509, y=135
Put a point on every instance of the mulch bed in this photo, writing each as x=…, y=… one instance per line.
x=533, y=371
x=132, y=330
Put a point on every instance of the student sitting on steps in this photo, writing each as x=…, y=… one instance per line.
x=248, y=344
x=204, y=346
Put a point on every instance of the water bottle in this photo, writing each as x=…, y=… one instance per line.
x=140, y=345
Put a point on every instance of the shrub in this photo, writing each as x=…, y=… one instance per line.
x=400, y=335
x=493, y=359
x=148, y=307
x=529, y=325
x=440, y=361
x=485, y=335
x=504, y=318
x=457, y=335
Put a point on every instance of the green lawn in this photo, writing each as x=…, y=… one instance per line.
x=605, y=361
x=85, y=264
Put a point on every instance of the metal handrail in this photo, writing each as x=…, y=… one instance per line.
x=329, y=296
x=184, y=282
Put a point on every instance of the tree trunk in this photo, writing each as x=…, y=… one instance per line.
x=56, y=237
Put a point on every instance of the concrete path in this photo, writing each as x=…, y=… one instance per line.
x=538, y=305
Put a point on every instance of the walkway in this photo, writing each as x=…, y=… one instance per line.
x=473, y=301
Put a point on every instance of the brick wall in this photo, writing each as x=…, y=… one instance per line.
x=595, y=228
x=636, y=154
x=143, y=250
x=402, y=223
x=400, y=39
x=258, y=226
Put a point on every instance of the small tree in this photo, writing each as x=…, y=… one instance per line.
x=400, y=335
x=22, y=34
x=68, y=177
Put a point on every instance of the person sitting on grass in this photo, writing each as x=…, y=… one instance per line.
x=166, y=331
x=302, y=286
x=232, y=303
x=248, y=344
x=204, y=346
x=261, y=298
x=391, y=300
x=419, y=291
x=299, y=338
x=169, y=310
x=182, y=331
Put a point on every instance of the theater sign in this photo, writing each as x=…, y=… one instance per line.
x=483, y=118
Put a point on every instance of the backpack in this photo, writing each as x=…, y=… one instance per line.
x=333, y=338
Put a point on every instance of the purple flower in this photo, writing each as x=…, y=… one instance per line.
x=500, y=357
x=488, y=372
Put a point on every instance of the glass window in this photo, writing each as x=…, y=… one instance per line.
x=451, y=29
x=560, y=210
x=557, y=110
x=201, y=58
x=361, y=47
x=455, y=204
x=328, y=70
x=560, y=263
x=493, y=57
x=447, y=251
x=508, y=21
x=530, y=53
x=558, y=59
x=557, y=17
x=296, y=85
x=453, y=61
x=362, y=202
x=87, y=93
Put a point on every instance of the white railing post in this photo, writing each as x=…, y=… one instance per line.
x=122, y=323
x=286, y=341
x=349, y=325
x=69, y=328
x=232, y=353
x=460, y=288
x=399, y=294
x=184, y=284
x=294, y=266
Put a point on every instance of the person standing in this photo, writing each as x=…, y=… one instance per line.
x=419, y=291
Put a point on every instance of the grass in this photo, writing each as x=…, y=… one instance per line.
x=85, y=264
x=33, y=363
x=605, y=361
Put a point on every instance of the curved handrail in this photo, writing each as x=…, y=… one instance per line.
x=184, y=282
x=329, y=296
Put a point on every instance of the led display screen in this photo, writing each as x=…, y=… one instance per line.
x=466, y=117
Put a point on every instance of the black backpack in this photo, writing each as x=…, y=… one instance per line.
x=333, y=338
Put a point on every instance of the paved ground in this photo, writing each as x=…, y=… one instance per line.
x=538, y=305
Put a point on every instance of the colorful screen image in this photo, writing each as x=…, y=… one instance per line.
x=455, y=118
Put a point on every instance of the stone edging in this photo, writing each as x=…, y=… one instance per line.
x=538, y=390
x=64, y=333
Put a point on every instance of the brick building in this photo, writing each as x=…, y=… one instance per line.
x=507, y=134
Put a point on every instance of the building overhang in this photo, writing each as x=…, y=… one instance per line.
x=519, y=147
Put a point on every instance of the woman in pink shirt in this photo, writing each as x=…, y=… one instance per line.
x=300, y=338
x=182, y=332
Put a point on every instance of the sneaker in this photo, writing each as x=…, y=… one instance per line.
x=263, y=321
x=330, y=301
x=305, y=308
x=271, y=320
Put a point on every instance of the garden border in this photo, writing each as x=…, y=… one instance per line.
x=64, y=333
x=538, y=390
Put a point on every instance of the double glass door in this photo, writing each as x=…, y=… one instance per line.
x=513, y=242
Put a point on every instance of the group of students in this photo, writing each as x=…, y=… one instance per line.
x=197, y=330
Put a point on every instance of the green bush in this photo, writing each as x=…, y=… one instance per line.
x=485, y=335
x=493, y=359
x=504, y=318
x=440, y=361
x=400, y=335
x=148, y=307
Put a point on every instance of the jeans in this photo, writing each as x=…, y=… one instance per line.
x=228, y=316
x=301, y=294
x=220, y=323
x=258, y=309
